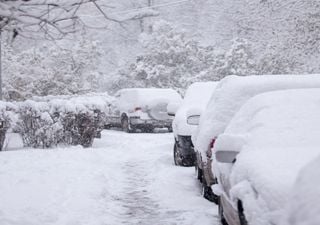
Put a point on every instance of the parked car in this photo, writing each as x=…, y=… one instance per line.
x=186, y=120
x=261, y=152
x=230, y=94
x=303, y=206
x=143, y=109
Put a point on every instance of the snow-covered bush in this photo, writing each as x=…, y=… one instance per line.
x=98, y=104
x=51, y=70
x=36, y=126
x=45, y=122
x=80, y=122
x=78, y=128
x=7, y=117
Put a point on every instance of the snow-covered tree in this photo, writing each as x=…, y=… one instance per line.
x=283, y=31
x=51, y=70
x=172, y=59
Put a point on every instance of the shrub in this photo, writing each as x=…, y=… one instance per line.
x=62, y=120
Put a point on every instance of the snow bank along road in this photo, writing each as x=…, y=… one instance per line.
x=123, y=179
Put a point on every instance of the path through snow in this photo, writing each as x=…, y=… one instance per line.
x=123, y=179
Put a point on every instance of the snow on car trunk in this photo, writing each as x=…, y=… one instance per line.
x=280, y=132
x=232, y=92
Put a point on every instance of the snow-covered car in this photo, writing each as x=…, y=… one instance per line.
x=143, y=109
x=186, y=120
x=230, y=94
x=261, y=152
x=303, y=206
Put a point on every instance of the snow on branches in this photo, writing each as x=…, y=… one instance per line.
x=54, y=18
x=46, y=122
x=172, y=59
x=50, y=70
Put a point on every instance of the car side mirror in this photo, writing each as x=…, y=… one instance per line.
x=193, y=120
x=226, y=156
x=193, y=116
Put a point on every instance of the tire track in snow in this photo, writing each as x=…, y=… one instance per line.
x=152, y=191
x=140, y=207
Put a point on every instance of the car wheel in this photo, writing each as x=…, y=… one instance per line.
x=222, y=219
x=126, y=125
x=148, y=129
x=176, y=155
x=107, y=126
x=208, y=193
x=242, y=217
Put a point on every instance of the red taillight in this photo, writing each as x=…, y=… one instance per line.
x=210, y=147
x=137, y=109
x=212, y=143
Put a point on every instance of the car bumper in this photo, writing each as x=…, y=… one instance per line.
x=137, y=122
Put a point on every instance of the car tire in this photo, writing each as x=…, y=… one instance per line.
x=242, y=216
x=148, y=129
x=176, y=155
x=208, y=193
x=126, y=125
x=222, y=218
x=107, y=126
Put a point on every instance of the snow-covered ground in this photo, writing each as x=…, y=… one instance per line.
x=123, y=179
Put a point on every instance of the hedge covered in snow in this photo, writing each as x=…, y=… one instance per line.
x=46, y=122
x=7, y=117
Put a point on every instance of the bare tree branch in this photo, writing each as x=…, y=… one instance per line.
x=54, y=19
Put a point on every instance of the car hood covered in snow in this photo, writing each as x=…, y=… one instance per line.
x=232, y=92
x=195, y=100
x=303, y=207
x=280, y=132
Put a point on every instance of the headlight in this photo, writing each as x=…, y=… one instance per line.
x=193, y=120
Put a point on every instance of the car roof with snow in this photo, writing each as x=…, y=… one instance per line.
x=140, y=97
x=232, y=92
x=276, y=133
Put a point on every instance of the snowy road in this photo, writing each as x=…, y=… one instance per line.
x=123, y=179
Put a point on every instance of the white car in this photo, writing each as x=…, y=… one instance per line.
x=303, y=207
x=143, y=109
x=261, y=152
x=186, y=120
x=230, y=94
